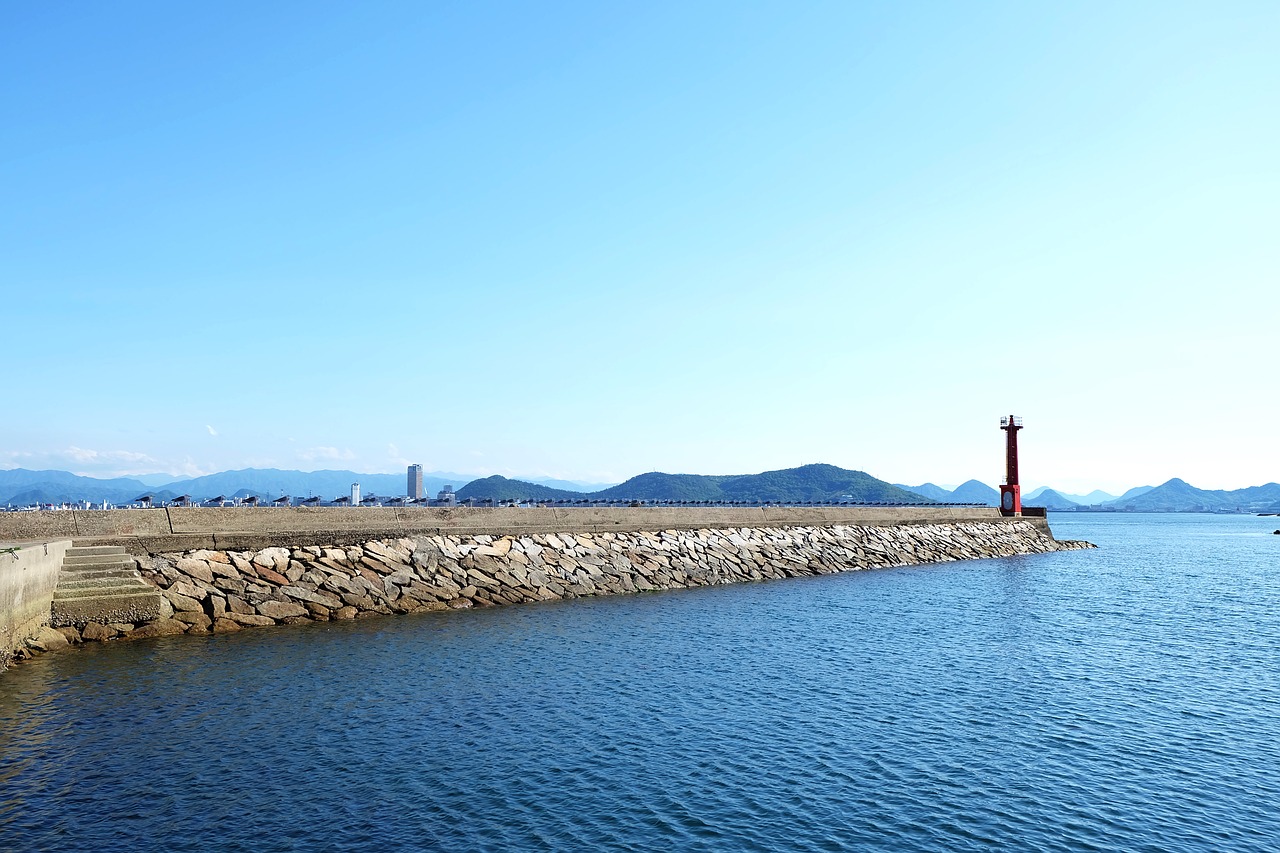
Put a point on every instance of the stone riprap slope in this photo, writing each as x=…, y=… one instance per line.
x=218, y=591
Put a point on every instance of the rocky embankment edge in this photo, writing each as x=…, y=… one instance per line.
x=208, y=591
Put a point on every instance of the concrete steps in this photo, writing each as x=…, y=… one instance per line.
x=95, y=574
x=100, y=584
x=96, y=551
x=94, y=560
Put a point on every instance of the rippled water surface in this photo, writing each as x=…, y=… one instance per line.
x=1120, y=699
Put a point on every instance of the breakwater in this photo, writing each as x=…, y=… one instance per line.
x=222, y=569
x=207, y=590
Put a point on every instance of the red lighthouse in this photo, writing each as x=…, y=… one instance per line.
x=1011, y=491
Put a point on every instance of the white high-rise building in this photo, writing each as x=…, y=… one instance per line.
x=415, y=482
x=355, y=494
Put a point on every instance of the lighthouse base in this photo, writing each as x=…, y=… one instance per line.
x=1011, y=500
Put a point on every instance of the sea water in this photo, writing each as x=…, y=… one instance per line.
x=1126, y=698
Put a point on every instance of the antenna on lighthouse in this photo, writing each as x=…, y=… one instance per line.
x=1011, y=490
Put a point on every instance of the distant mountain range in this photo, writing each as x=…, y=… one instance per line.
x=1174, y=496
x=1095, y=497
x=968, y=492
x=1049, y=499
x=807, y=483
x=1179, y=496
x=20, y=487
x=975, y=492
x=928, y=490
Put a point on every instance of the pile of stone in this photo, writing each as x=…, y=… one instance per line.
x=46, y=639
x=219, y=591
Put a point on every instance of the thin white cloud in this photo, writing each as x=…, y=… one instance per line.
x=80, y=454
x=88, y=462
x=8, y=459
x=311, y=454
x=188, y=468
x=103, y=464
x=211, y=430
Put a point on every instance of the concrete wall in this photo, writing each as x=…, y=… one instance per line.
x=151, y=531
x=28, y=576
x=77, y=524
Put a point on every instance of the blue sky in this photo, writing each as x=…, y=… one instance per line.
x=589, y=240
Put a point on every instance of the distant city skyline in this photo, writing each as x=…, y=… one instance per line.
x=707, y=238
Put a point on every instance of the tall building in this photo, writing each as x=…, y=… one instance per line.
x=415, y=482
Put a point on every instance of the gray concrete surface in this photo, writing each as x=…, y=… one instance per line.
x=28, y=578
x=151, y=531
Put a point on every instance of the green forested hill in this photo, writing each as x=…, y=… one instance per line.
x=657, y=486
x=502, y=489
x=814, y=483
x=806, y=483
